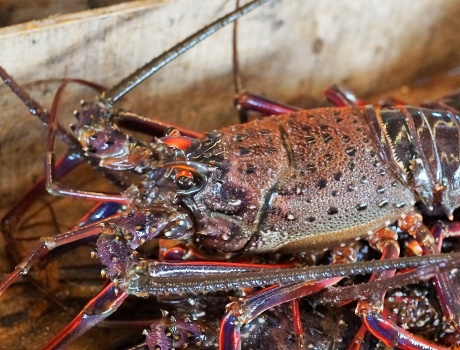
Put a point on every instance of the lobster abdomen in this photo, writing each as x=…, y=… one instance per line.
x=424, y=147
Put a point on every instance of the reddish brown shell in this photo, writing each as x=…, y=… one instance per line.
x=300, y=181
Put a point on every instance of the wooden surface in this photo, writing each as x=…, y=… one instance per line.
x=20, y=11
x=289, y=50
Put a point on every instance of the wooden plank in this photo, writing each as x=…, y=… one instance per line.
x=290, y=50
x=20, y=11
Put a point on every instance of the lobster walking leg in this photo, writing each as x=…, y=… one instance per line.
x=390, y=333
x=341, y=97
x=384, y=329
x=10, y=221
x=246, y=309
x=246, y=102
x=97, y=309
x=298, y=329
x=48, y=243
x=54, y=187
x=57, y=189
x=103, y=304
x=446, y=291
x=99, y=212
x=385, y=241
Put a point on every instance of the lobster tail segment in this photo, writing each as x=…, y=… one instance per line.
x=424, y=147
x=439, y=134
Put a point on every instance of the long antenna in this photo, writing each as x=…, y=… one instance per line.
x=130, y=82
x=237, y=82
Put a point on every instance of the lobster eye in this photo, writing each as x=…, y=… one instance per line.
x=185, y=182
x=185, y=179
x=172, y=132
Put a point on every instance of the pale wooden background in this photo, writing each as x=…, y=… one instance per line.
x=290, y=51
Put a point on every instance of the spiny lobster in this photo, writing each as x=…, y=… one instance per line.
x=348, y=171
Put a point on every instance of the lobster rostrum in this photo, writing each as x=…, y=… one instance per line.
x=289, y=183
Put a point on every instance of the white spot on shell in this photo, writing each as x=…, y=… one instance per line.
x=235, y=202
x=290, y=217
